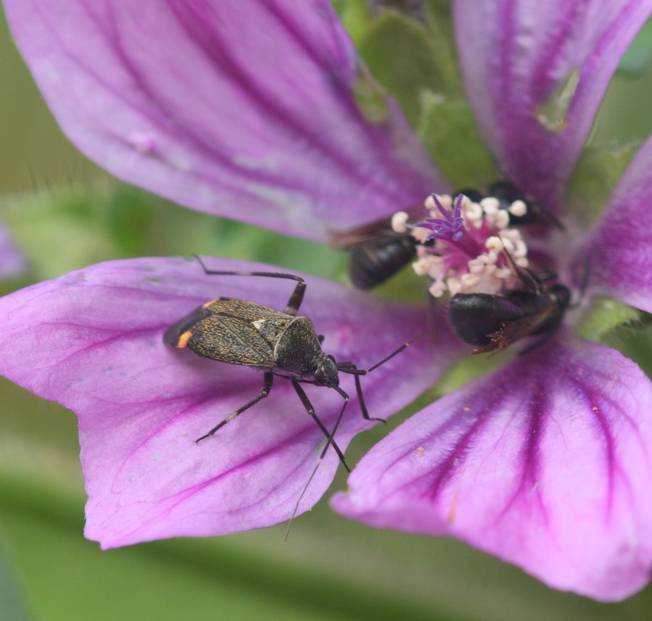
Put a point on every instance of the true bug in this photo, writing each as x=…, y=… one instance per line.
x=493, y=322
x=279, y=343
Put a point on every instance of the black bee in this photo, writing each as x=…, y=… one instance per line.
x=377, y=251
x=493, y=322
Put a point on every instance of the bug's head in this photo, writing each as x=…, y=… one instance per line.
x=326, y=371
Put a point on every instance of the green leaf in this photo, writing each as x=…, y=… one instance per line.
x=439, y=22
x=596, y=174
x=405, y=59
x=552, y=112
x=637, y=57
x=604, y=316
x=12, y=603
x=69, y=228
x=449, y=133
x=355, y=16
x=59, y=230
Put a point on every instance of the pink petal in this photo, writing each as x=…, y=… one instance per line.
x=545, y=463
x=620, y=249
x=516, y=54
x=241, y=109
x=92, y=340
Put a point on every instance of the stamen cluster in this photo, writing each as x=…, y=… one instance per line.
x=462, y=243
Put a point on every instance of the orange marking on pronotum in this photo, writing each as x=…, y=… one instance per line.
x=183, y=339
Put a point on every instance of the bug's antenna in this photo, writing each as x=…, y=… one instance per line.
x=303, y=493
x=329, y=440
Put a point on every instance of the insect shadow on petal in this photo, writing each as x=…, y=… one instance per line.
x=281, y=344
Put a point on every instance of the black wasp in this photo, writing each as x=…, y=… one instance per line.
x=279, y=343
x=493, y=322
x=378, y=252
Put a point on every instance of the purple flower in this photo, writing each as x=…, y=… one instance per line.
x=248, y=110
x=244, y=109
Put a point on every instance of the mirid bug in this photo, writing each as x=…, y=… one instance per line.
x=493, y=322
x=282, y=344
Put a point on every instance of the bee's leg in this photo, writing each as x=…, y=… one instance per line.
x=265, y=390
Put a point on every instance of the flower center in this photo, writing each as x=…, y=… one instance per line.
x=465, y=245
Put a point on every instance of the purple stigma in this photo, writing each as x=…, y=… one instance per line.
x=450, y=227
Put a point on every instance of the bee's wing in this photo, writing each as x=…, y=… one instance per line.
x=353, y=237
x=517, y=329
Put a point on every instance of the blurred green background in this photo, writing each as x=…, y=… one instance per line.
x=65, y=214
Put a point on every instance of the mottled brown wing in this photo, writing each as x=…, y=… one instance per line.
x=230, y=339
x=247, y=311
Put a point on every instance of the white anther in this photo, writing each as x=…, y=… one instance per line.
x=518, y=208
x=421, y=267
x=520, y=249
x=454, y=285
x=472, y=211
x=470, y=280
x=490, y=204
x=489, y=257
x=420, y=234
x=437, y=289
x=508, y=244
x=501, y=219
x=399, y=222
x=522, y=261
x=446, y=200
x=503, y=272
x=494, y=243
x=476, y=266
x=512, y=234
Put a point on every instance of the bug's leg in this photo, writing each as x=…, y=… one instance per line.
x=345, y=397
x=352, y=369
x=294, y=303
x=311, y=411
x=265, y=390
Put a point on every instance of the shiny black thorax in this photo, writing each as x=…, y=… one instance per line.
x=492, y=322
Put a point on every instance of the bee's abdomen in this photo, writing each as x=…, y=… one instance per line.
x=375, y=261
